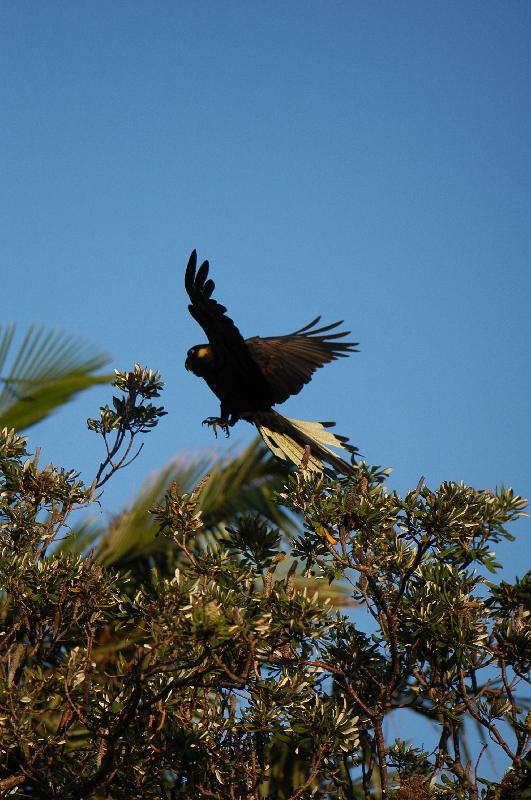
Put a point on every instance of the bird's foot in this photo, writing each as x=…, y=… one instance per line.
x=217, y=422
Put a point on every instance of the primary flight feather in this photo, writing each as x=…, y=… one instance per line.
x=250, y=376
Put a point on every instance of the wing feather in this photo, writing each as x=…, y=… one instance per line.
x=224, y=337
x=288, y=362
x=275, y=366
x=211, y=315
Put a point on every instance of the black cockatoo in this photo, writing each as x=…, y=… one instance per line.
x=250, y=376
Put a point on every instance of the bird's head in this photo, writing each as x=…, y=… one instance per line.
x=198, y=358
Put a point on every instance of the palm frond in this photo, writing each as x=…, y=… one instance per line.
x=82, y=537
x=49, y=368
x=243, y=484
x=339, y=593
x=240, y=485
x=131, y=536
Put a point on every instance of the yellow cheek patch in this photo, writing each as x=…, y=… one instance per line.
x=203, y=352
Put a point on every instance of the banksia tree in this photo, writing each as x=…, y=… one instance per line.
x=214, y=658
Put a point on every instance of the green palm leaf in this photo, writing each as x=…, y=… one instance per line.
x=244, y=484
x=46, y=371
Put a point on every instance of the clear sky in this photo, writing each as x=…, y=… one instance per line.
x=365, y=161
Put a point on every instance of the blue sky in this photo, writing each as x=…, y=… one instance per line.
x=366, y=161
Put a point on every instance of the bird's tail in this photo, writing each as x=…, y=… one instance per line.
x=303, y=442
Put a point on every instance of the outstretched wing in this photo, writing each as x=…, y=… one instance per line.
x=288, y=362
x=224, y=337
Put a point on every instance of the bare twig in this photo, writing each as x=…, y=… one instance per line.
x=490, y=726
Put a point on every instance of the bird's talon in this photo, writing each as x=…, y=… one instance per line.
x=215, y=423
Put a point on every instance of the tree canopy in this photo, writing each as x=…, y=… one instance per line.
x=210, y=641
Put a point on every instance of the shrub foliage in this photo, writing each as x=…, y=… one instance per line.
x=224, y=670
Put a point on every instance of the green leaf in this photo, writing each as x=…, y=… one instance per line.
x=46, y=371
x=243, y=484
